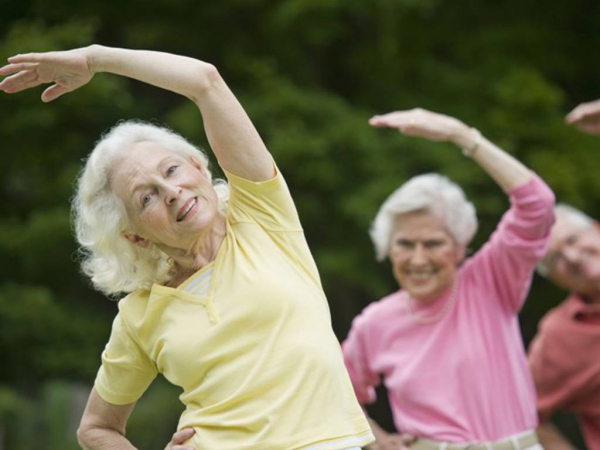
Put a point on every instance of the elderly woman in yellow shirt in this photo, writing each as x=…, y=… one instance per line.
x=224, y=298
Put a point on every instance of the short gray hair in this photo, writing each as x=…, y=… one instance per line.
x=429, y=192
x=574, y=217
x=114, y=264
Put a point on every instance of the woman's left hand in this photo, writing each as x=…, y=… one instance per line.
x=68, y=70
x=422, y=123
x=178, y=439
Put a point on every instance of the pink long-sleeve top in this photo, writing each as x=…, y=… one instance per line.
x=464, y=377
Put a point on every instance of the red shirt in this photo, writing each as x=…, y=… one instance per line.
x=565, y=362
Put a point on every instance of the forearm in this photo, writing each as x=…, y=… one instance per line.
x=551, y=438
x=185, y=76
x=505, y=170
x=232, y=136
x=103, y=439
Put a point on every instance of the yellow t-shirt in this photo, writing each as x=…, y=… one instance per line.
x=256, y=358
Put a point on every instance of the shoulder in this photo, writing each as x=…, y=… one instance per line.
x=134, y=307
x=555, y=335
x=378, y=311
x=556, y=318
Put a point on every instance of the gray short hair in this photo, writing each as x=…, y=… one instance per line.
x=574, y=217
x=431, y=192
x=114, y=264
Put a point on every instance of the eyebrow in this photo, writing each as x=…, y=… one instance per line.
x=141, y=186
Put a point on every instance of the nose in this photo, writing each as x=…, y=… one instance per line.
x=418, y=256
x=172, y=194
x=571, y=255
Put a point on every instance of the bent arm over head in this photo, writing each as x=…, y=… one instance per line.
x=232, y=136
x=506, y=171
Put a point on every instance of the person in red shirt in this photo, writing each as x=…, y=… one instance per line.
x=565, y=354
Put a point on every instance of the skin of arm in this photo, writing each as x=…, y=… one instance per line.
x=505, y=170
x=102, y=426
x=232, y=136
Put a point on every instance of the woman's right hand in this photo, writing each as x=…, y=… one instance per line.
x=393, y=441
x=586, y=117
x=179, y=438
x=420, y=122
x=66, y=70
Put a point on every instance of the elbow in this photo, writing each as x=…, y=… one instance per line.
x=83, y=436
x=207, y=79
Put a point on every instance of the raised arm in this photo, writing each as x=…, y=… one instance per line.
x=502, y=167
x=232, y=136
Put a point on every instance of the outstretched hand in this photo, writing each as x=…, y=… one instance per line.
x=179, y=438
x=67, y=71
x=586, y=117
x=422, y=123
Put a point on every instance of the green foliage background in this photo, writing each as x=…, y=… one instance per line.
x=310, y=73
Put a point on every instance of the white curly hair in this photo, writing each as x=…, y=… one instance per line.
x=431, y=192
x=113, y=263
x=572, y=216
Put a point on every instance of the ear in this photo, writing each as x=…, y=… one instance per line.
x=137, y=240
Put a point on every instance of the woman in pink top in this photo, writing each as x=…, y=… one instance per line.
x=448, y=343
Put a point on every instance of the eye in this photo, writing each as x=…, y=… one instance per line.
x=171, y=170
x=405, y=243
x=146, y=199
x=433, y=244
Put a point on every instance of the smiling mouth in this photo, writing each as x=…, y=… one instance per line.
x=420, y=276
x=185, y=209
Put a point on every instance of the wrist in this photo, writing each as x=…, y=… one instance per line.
x=95, y=55
x=468, y=140
x=462, y=136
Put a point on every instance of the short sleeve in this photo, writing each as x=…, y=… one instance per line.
x=507, y=261
x=267, y=203
x=356, y=358
x=126, y=371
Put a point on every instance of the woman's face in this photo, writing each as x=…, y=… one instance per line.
x=168, y=197
x=573, y=257
x=424, y=256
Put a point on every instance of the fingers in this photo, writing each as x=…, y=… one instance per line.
x=583, y=111
x=53, y=92
x=182, y=435
x=27, y=58
x=14, y=68
x=393, y=119
x=20, y=81
x=406, y=121
x=407, y=439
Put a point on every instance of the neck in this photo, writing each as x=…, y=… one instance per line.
x=201, y=252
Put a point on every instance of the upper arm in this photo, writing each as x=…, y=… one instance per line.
x=102, y=415
x=508, y=259
x=357, y=356
x=233, y=138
